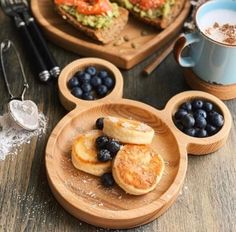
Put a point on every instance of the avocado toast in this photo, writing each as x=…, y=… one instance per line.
x=159, y=13
x=99, y=19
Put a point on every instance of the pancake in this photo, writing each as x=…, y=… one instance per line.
x=84, y=154
x=137, y=169
x=128, y=131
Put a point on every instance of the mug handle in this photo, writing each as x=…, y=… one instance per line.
x=182, y=42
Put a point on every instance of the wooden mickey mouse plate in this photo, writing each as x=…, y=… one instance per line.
x=81, y=194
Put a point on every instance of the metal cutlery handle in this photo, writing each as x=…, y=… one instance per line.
x=41, y=44
x=39, y=63
x=4, y=47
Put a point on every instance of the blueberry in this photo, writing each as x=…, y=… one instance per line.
x=101, y=142
x=188, y=121
x=201, y=133
x=207, y=106
x=179, y=126
x=102, y=74
x=201, y=113
x=86, y=87
x=200, y=122
x=85, y=77
x=104, y=155
x=79, y=74
x=217, y=120
x=113, y=146
x=107, y=180
x=73, y=82
x=99, y=123
x=211, y=130
x=186, y=106
x=91, y=70
x=211, y=113
x=87, y=96
x=95, y=81
x=190, y=131
x=102, y=90
x=108, y=82
x=180, y=113
x=77, y=92
x=197, y=104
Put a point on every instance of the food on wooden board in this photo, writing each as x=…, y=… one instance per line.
x=198, y=118
x=98, y=19
x=84, y=154
x=91, y=84
x=136, y=168
x=128, y=131
x=159, y=13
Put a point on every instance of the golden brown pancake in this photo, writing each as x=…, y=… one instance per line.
x=137, y=169
x=84, y=154
x=128, y=131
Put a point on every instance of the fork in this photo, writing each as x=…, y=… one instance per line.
x=22, y=8
x=43, y=74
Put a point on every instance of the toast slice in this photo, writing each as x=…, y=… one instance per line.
x=161, y=22
x=174, y=12
x=103, y=35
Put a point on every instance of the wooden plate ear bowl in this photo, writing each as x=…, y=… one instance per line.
x=200, y=146
x=69, y=101
x=82, y=194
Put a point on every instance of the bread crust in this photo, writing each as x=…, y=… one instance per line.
x=174, y=12
x=103, y=35
x=164, y=22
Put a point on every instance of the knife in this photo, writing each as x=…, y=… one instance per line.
x=41, y=68
x=41, y=43
x=22, y=8
x=39, y=64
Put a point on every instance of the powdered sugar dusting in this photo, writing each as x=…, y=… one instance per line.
x=25, y=113
x=126, y=125
x=12, y=136
x=113, y=119
x=143, y=127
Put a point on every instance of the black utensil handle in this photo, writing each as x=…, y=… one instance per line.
x=42, y=45
x=34, y=53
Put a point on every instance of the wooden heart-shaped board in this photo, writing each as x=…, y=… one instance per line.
x=143, y=39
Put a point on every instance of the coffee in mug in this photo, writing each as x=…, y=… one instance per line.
x=220, y=25
x=212, y=47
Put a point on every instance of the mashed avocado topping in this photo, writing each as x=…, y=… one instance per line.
x=150, y=13
x=94, y=21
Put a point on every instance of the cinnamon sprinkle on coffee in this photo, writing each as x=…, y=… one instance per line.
x=225, y=33
x=216, y=25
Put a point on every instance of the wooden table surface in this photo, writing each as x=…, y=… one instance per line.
x=207, y=201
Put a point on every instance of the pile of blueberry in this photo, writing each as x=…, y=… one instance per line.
x=91, y=84
x=107, y=149
x=198, y=118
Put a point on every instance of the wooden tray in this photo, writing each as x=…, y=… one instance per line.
x=224, y=92
x=124, y=55
x=81, y=194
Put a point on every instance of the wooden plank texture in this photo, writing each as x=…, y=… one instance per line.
x=207, y=202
